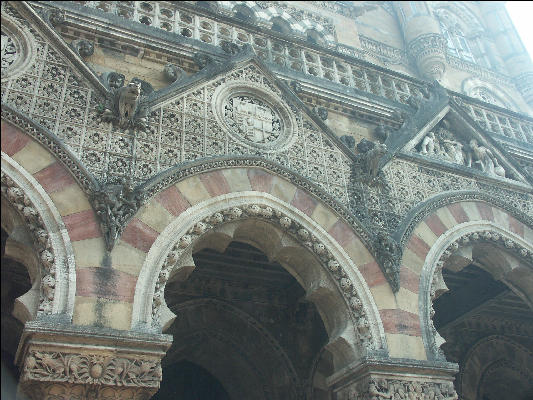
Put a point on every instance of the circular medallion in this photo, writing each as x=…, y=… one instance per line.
x=254, y=117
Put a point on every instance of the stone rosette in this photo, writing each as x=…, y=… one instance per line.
x=254, y=117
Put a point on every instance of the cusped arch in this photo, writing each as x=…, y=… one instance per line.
x=457, y=233
x=286, y=235
x=487, y=92
x=54, y=276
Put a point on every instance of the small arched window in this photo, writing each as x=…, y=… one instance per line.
x=457, y=43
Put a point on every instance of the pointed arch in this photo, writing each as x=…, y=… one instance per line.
x=456, y=223
x=222, y=203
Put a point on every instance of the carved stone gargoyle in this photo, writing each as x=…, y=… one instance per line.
x=124, y=106
x=389, y=255
x=115, y=204
x=367, y=166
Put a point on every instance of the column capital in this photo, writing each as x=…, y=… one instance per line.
x=79, y=362
x=374, y=378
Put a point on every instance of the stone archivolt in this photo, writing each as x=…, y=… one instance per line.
x=346, y=287
x=490, y=235
x=34, y=222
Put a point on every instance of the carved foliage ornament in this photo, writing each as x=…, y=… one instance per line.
x=91, y=369
x=312, y=243
x=381, y=388
x=43, y=244
x=115, y=205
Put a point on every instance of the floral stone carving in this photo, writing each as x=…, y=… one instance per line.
x=381, y=388
x=91, y=369
x=115, y=205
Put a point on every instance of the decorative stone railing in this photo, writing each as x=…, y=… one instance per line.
x=175, y=18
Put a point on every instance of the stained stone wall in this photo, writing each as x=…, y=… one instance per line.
x=133, y=131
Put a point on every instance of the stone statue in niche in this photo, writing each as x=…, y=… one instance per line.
x=370, y=155
x=485, y=159
x=441, y=143
x=173, y=73
x=83, y=47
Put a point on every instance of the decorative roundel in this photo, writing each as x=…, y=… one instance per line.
x=17, y=49
x=254, y=117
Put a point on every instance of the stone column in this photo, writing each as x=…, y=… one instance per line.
x=424, y=40
x=377, y=379
x=65, y=362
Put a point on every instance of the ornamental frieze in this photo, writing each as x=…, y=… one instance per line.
x=90, y=369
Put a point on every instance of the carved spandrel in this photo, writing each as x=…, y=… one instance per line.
x=115, y=205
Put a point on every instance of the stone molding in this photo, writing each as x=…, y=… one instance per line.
x=50, y=239
x=52, y=354
x=373, y=379
x=51, y=142
x=415, y=216
x=171, y=255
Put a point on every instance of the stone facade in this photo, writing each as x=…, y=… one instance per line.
x=266, y=200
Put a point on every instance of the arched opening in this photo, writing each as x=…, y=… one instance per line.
x=244, y=327
x=188, y=381
x=483, y=312
x=15, y=283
